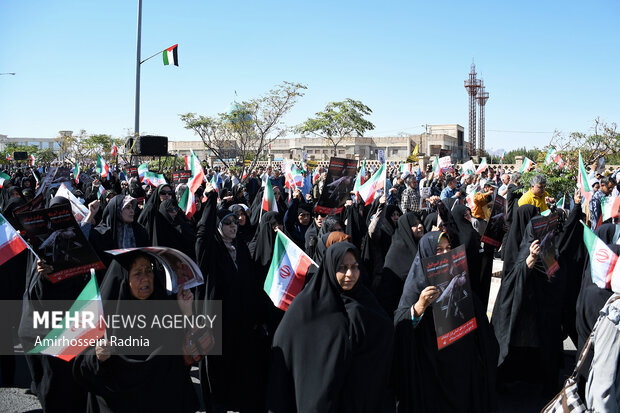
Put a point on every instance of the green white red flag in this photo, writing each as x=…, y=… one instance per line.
x=361, y=177
x=3, y=177
x=582, y=181
x=527, y=165
x=76, y=172
x=171, y=55
x=188, y=202
x=32, y=160
x=609, y=207
x=74, y=336
x=603, y=262
x=315, y=175
x=436, y=168
x=198, y=174
x=369, y=190
x=292, y=175
x=11, y=243
x=483, y=166
x=553, y=157
x=469, y=168
x=102, y=167
x=114, y=149
x=287, y=272
x=269, y=199
x=406, y=167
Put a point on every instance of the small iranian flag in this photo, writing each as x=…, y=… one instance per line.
x=315, y=176
x=154, y=179
x=170, y=55
x=436, y=168
x=269, y=200
x=603, y=262
x=214, y=183
x=142, y=170
x=361, y=177
x=527, y=165
x=287, y=272
x=483, y=166
x=369, y=189
x=114, y=149
x=11, y=243
x=75, y=333
x=198, y=174
x=100, y=192
x=406, y=167
x=582, y=181
x=469, y=168
x=609, y=207
x=188, y=203
x=292, y=175
x=561, y=202
x=76, y=172
x=3, y=177
x=188, y=166
x=245, y=175
x=32, y=160
x=470, y=199
x=102, y=167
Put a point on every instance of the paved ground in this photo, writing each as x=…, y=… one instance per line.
x=517, y=399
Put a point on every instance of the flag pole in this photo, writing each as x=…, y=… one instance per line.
x=138, y=49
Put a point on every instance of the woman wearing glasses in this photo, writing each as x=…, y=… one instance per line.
x=235, y=380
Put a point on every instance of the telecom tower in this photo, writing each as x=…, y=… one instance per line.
x=482, y=98
x=472, y=84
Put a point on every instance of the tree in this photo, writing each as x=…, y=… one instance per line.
x=249, y=127
x=45, y=156
x=604, y=143
x=337, y=121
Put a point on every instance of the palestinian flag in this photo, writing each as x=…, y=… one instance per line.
x=369, y=189
x=609, y=207
x=188, y=203
x=527, y=165
x=582, y=181
x=483, y=166
x=3, y=177
x=11, y=243
x=269, y=200
x=76, y=172
x=67, y=341
x=114, y=149
x=102, y=167
x=603, y=262
x=287, y=272
x=32, y=160
x=469, y=168
x=171, y=55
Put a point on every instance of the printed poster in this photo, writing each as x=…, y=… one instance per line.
x=338, y=185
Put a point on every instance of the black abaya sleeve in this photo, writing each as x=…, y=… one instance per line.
x=355, y=224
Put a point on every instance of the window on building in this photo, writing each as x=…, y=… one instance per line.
x=325, y=151
x=340, y=151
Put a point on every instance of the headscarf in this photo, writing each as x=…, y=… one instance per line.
x=337, y=236
x=8, y=209
x=404, y=246
x=151, y=210
x=261, y=247
x=522, y=218
x=346, y=368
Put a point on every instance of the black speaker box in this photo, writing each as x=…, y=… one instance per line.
x=20, y=156
x=149, y=145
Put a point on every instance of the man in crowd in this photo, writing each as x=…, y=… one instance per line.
x=450, y=190
x=606, y=187
x=410, y=198
x=481, y=211
x=537, y=195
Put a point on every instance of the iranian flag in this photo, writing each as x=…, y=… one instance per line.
x=188, y=203
x=287, y=272
x=100, y=192
x=102, y=167
x=292, y=175
x=269, y=200
x=561, y=202
x=171, y=55
x=406, y=167
x=582, y=181
x=245, y=174
x=483, y=166
x=315, y=176
x=11, y=243
x=142, y=170
x=469, y=168
x=114, y=149
x=470, y=199
x=3, y=177
x=609, y=207
x=154, y=179
x=32, y=160
x=553, y=157
x=369, y=189
x=361, y=177
x=603, y=262
x=188, y=166
x=198, y=174
x=527, y=164
x=73, y=336
x=76, y=172
x=214, y=183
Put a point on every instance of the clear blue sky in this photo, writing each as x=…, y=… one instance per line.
x=547, y=65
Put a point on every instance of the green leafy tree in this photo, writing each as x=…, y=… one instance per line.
x=338, y=121
x=249, y=128
x=45, y=156
x=603, y=143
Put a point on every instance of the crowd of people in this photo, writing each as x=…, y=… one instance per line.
x=360, y=336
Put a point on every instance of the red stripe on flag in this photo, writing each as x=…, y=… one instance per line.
x=11, y=249
x=612, y=265
x=297, y=284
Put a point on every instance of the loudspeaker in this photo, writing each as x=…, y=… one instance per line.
x=20, y=156
x=149, y=145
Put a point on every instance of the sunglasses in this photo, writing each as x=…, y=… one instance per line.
x=230, y=221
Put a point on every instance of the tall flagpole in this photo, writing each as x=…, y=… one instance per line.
x=138, y=49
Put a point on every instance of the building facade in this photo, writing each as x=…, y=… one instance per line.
x=40, y=143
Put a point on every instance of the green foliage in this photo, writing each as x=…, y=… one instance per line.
x=337, y=121
x=534, y=154
x=560, y=181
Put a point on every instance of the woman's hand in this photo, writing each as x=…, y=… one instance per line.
x=534, y=253
x=185, y=298
x=104, y=351
x=44, y=269
x=427, y=297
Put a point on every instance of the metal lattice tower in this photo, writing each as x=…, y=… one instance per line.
x=482, y=98
x=472, y=84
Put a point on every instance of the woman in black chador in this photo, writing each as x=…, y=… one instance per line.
x=172, y=229
x=152, y=382
x=332, y=350
x=459, y=377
